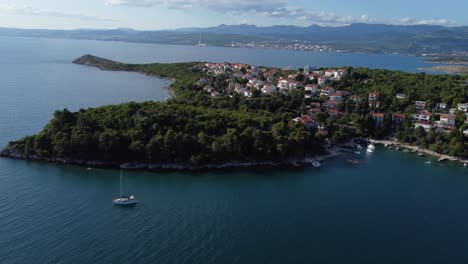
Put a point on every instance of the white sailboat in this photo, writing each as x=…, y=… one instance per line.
x=124, y=200
x=200, y=44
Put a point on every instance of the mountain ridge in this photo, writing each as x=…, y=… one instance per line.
x=376, y=38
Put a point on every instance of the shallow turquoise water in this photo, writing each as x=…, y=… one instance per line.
x=389, y=208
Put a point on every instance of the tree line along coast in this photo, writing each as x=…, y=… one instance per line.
x=235, y=112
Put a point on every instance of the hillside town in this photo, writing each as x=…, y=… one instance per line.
x=321, y=96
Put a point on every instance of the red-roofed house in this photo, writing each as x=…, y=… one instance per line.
x=308, y=122
x=312, y=111
x=398, y=118
x=331, y=104
x=378, y=118
x=447, y=120
x=356, y=99
x=422, y=116
x=315, y=105
x=334, y=113
x=337, y=97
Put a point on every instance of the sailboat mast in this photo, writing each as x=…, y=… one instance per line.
x=120, y=183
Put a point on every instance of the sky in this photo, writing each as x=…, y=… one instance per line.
x=171, y=14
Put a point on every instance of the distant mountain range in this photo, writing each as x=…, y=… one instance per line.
x=378, y=38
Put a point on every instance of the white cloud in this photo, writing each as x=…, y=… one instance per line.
x=274, y=9
x=32, y=11
x=414, y=21
x=216, y=5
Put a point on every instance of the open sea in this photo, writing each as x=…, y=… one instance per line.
x=388, y=207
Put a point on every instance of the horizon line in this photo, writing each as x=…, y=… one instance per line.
x=242, y=24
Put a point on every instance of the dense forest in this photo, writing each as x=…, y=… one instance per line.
x=170, y=132
x=198, y=129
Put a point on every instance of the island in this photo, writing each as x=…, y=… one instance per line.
x=237, y=115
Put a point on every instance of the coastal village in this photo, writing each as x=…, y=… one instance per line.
x=322, y=97
x=318, y=86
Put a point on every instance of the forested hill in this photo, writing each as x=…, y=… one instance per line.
x=167, y=133
x=181, y=130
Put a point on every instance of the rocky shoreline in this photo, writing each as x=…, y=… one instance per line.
x=15, y=154
x=436, y=155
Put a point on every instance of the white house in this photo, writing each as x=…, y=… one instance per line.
x=374, y=96
x=322, y=80
x=420, y=105
x=441, y=106
x=463, y=107
x=465, y=133
x=295, y=84
x=422, y=116
x=283, y=84
x=426, y=125
x=311, y=88
x=329, y=73
x=268, y=89
x=447, y=120
x=327, y=91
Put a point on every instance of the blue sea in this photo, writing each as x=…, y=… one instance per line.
x=390, y=207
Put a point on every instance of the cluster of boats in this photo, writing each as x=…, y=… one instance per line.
x=370, y=149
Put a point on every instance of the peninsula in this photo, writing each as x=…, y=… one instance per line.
x=454, y=69
x=235, y=114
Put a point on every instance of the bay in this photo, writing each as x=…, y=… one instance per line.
x=389, y=208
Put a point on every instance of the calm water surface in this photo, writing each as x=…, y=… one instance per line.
x=389, y=208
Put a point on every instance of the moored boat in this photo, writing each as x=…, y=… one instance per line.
x=123, y=199
x=316, y=163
